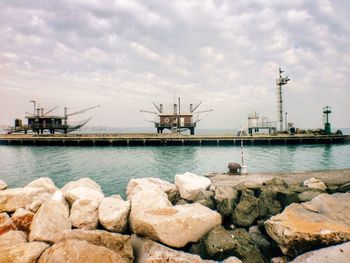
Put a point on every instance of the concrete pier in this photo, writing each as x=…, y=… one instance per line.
x=152, y=139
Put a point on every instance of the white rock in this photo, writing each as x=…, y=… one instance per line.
x=339, y=253
x=84, y=214
x=136, y=185
x=51, y=219
x=77, y=251
x=232, y=260
x=121, y=244
x=113, y=213
x=45, y=183
x=37, y=202
x=83, y=182
x=148, y=251
x=153, y=216
x=3, y=185
x=190, y=185
x=83, y=193
x=12, y=199
x=315, y=184
x=14, y=248
x=325, y=220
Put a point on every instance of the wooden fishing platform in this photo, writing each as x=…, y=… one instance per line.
x=153, y=139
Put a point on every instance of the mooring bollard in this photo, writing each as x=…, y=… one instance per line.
x=233, y=168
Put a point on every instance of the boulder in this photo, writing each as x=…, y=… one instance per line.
x=82, y=182
x=3, y=185
x=22, y=219
x=77, y=251
x=339, y=253
x=6, y=223
x=325, y=220
x=206, y=198
x=345, y=188
x=190, y=185
x=12, y=199
x=120, y=244
x=136, y=185
x=267, y=204
x=14, y=248
x=246, y=211
x=309, y=195
x=45, y=183
x=232, y=260
x=221, y=243
x=287, y=197
x=148, y=251
x=315, y=184
x=260, y=240
x=225, y=198
x=153, y=216
x=84, y=214
x=37, y=202
x=113, y=213
x=276, y=182
x=51, y=219
x=83, y=188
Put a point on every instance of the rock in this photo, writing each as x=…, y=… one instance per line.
x=50, y=220
x=181, y=202
x=205, y=198
x=225, y=198
x=232, y=260
x=267, y=205
x=276, y=181
x=199, y=249
x=283, y=259
x=190, y=185
x=246, y=211
x=315, y=184
x=37, y=202
x=136, y=185
x=113, y=213
x=83, y=193
x=221, y=243
x=148, y=251
x=77, y=251
x=344, y=188
x=287, y=197
x=45, y=183
x=84, y=214
x=260, y=241
x=6, y=223
x=83, y=188
x=12, y=199
x=3, y=185
x=325, y=220
x=82, y=182
x=339, y=253
x=14, y=248
x=309, y=195
x=152, y=214
x=120, y=244
x=22, y=219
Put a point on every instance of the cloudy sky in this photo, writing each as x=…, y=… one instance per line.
x=125, y=54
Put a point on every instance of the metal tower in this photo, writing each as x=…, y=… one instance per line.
x=279, y=83
x=327, y=126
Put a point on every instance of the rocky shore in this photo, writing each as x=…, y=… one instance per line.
x=218, y=218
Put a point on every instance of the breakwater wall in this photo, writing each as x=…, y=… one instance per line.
x=166, y=139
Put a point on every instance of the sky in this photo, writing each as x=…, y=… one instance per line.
x=126, y=54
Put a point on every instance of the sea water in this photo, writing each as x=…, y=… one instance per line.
x=112, y=167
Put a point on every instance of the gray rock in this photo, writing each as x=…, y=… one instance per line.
x=260, y=240
x=246, y=211
x=345, y=188
x=225, y=198
x=339, y=254
x=287, y=197
x=309, y=195
x=267, y=205
x=205, y=198
x=276, y=181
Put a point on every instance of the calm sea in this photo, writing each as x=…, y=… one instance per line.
x=113, y=167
